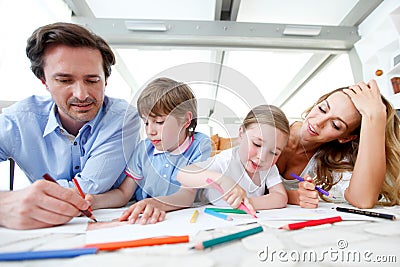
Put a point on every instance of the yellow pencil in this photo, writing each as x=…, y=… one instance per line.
x=194, y=216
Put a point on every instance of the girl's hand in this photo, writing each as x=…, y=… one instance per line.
x=308, y=196
x=235, y=196
x=149, y=210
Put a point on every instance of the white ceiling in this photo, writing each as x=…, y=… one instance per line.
x=234, y=53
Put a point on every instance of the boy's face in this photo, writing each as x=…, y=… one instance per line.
x=166, y=133
x=260, y=147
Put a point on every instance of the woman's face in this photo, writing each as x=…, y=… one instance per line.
x=334, y=118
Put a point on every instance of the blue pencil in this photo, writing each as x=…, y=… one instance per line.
x=217, y=214
x=46, y=254
x=319, y=189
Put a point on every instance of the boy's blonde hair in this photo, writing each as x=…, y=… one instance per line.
x=267, y=114
x=165, y=96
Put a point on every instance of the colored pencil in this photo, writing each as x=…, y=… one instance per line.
x=299, y=225
x=193, y=219
x=221, y=210
x=87, y=213
x=319, y=189
x=46, y=254
x=227, y=238
x=78, y=187
x=217, y=214
x=242, y=206
x=140, y=242
x=367, y=213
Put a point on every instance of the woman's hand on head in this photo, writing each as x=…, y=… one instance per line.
x=367, y=99
x=308, y=196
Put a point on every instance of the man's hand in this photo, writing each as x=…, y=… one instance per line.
x=43, y=204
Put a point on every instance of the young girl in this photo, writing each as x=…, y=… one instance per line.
x=263, y=136
x=169, y=112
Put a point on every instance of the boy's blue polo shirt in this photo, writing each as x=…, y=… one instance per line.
x=155, y=171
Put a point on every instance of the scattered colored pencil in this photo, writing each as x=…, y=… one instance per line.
x=221, y=210
x=227, y=238
x=46, y=254
x=367, y=213
x=217, y=214
x=140, y=242
x=194, y=217
x=299, y=225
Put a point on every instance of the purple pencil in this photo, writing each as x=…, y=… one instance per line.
x=319, y=189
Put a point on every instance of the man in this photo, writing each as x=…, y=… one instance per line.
x=78, y=132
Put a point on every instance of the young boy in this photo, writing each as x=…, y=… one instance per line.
x=169, y=111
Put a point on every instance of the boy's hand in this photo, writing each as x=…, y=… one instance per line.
x=308, y=196
x=149, y=210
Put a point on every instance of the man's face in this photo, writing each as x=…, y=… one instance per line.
x=75, y=79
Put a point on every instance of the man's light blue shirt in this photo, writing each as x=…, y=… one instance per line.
x=31, y=134
x=155, y=171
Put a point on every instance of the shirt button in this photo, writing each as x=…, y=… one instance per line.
x=76, y=167
x=164, y=175
x=166, y=165
x=75, y=143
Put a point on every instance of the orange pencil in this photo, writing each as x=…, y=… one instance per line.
x=140, y=242
x=87, y=213
x=80, y=191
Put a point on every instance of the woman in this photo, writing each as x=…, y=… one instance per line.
x=348, y=141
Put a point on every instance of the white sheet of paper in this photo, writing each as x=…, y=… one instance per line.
x=176, y=223
x=76, y=226
x=296, y=213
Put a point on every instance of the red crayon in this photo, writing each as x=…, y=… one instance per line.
x=78, y=187
x=87, y=213
x=299, y=225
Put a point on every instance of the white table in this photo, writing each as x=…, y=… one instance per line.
x=347, y=243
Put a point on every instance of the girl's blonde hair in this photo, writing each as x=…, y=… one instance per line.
x=341, y=157
x=164, y=96
x=267, y=114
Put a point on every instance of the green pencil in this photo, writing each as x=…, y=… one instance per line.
x=237, y=211
x=227, y=238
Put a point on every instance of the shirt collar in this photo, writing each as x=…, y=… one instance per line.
x=54, y=121
x=180, y=149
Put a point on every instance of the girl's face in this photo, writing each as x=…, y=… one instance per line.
x=334, y=118
x=260, y=147
x=167, y=133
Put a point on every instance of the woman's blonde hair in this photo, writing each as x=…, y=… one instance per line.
x=164, y=96
x=267, y=114
x=341, y=157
